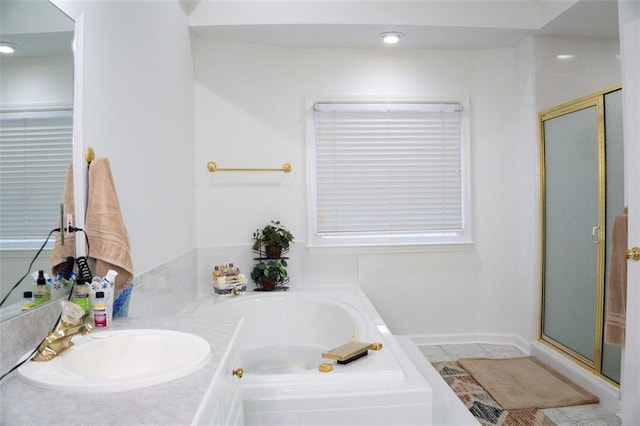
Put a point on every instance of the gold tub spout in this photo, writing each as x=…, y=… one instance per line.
x=59, y=340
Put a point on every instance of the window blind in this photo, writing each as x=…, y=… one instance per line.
x=388, y=169
x=35, y=152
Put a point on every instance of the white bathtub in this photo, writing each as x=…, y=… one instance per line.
x=281, y=341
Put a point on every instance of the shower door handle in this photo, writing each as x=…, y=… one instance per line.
x=595, y=234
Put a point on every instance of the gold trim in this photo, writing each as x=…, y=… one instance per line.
x=89, y=155
x=238, y=372
x=325, y=367
x=213, y=167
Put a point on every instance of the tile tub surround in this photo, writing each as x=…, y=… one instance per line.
x=166, y=289
x=171, y=403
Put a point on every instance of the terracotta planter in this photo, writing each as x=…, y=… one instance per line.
x=268, y=284
x=273, y=252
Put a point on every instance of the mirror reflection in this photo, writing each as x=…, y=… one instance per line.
x=36, y=100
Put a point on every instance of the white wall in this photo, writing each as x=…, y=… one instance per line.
x=595, y=65
x=36, y=80
x=138, y=111
x=545, y=81
x=250, y=112
x=249, y=102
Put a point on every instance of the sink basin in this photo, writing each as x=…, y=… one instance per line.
x=114, y=361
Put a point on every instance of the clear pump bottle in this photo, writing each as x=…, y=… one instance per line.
x=41, y=292
x=80, y=295
x=27, y=301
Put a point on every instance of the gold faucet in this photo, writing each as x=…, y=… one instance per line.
x=59, y=340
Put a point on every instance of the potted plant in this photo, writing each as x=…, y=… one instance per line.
x=269, y=275
x=274, y=237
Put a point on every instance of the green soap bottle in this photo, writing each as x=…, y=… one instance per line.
x=41, y=292
x=81, y=292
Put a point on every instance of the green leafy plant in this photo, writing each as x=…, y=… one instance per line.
x=273, y=234
x=274, y=269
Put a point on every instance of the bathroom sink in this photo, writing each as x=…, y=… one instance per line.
x=113, y=361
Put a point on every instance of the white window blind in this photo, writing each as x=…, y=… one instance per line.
x=389, y=169
x=35, y=153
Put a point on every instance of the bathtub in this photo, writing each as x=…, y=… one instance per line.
x=280, y=343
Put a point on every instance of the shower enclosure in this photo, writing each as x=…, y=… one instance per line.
x=581, y=190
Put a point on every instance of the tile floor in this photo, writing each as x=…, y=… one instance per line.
x=580, y=415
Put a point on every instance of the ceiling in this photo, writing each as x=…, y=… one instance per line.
x=36, y=27
x=585, y=18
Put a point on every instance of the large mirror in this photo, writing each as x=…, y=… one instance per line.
x=36, y=102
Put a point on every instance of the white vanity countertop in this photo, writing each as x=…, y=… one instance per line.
x=172, y=403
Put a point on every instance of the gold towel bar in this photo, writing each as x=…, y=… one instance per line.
x=213, y=167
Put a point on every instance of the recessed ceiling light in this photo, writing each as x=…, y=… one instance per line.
x=564, y=57
x=391, y=37
x=7, y=47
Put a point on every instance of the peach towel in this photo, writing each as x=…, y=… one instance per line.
x=108, y=236
x=616, y=308
x=59, y=253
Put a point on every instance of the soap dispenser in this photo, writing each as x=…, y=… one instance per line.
x=80, y=295
x=41, y=292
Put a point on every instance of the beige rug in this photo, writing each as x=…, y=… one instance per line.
x=518, y=383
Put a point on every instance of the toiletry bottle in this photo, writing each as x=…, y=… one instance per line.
x=109, y=280
x=100, y=310
x=41, y=292
x=27, y=301
x=81, y=294
x=108, y=285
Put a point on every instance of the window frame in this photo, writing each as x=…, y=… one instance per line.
x=388, y=243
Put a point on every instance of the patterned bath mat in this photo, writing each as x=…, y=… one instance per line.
x=485, y=409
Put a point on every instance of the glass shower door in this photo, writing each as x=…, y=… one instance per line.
x=572, y=231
